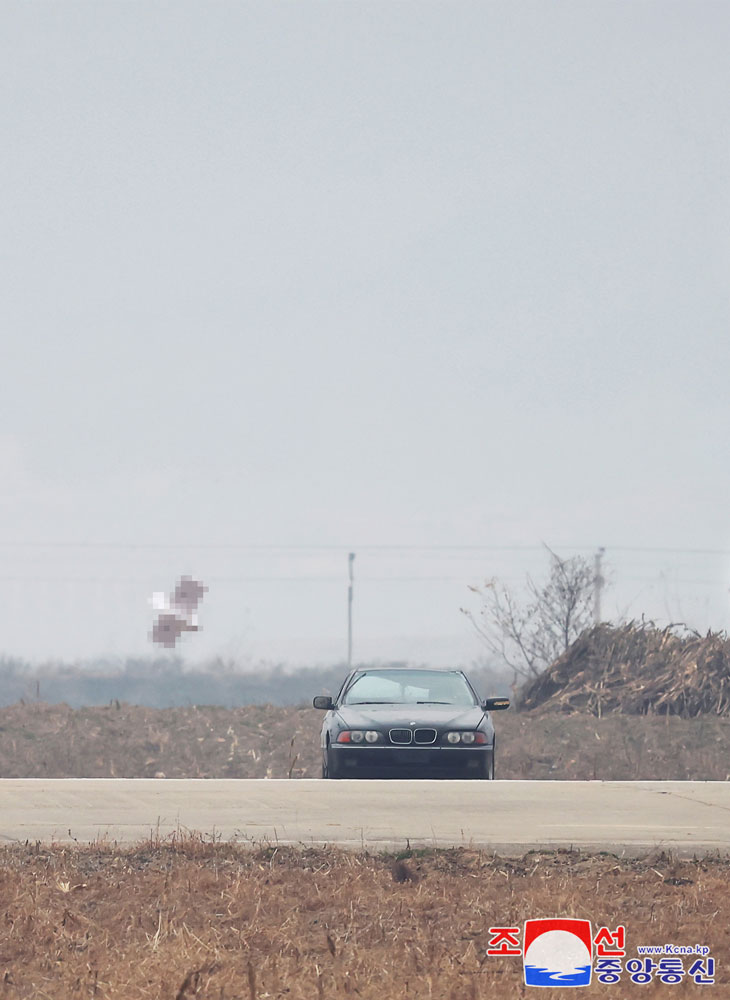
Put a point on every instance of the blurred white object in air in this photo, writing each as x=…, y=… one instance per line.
x=159, y=601
x=177, y=613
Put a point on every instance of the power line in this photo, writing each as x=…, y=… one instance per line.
x=246, y=547
x=242, y=546
x=140, y=581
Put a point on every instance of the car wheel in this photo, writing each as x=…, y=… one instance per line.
x=328, y=771
x=486, y=771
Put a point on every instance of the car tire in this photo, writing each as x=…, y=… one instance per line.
x=328, y=771
x=486, y=771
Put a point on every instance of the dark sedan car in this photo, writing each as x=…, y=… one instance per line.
x=395, y=721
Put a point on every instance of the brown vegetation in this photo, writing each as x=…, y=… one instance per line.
x=39, y=741
x=129, y=741
x=637, y=669
x=188, y=919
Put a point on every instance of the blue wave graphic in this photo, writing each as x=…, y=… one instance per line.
x=536, y=975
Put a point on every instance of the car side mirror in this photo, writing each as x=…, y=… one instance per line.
x=495, y=704
x=322, y=701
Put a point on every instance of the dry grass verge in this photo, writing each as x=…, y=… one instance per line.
x=129, y=741
x=188, y=919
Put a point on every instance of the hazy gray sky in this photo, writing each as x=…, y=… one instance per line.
x=350, y=274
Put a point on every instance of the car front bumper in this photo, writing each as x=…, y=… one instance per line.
x=424, y=760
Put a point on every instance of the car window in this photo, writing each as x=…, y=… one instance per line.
x=372, y=686
x=408, y=687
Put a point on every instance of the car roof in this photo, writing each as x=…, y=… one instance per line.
x=420, y=670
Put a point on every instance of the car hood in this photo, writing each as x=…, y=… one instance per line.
x=388, y=716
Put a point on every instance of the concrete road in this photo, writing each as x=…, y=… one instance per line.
x=509, y=816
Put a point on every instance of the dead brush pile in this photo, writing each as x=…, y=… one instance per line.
x=637, y=669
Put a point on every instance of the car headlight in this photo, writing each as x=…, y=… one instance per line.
x=358, y=736
x=468, y=737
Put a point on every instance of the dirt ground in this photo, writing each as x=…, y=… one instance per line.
x=39, y=740
x=187, y=919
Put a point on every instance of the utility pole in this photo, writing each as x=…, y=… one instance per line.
x=350, y=561
x=598, y=582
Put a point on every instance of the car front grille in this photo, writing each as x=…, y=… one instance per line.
x=424, y=736
x=400, y=736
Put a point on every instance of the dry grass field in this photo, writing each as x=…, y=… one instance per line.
x=39, y=740
x=188, y=919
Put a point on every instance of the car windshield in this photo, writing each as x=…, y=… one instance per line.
x=409, y=687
